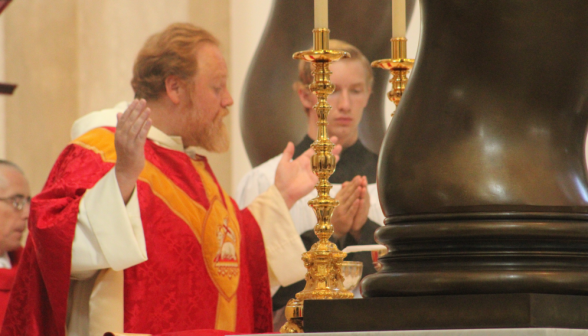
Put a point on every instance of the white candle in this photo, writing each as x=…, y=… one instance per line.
x=398, y=18
x=321, y=14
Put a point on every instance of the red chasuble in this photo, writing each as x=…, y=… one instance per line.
x=7, y=280
x=206, y=266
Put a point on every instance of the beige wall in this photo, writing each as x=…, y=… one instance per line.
x=248, y=19
x=2, y=97
x=109, y=35
x=41, y=55
x=70, y=57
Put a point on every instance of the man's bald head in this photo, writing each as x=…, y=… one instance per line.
x=5, y=164
x=15, y=198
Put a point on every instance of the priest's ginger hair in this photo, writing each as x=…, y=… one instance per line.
x=168, y=53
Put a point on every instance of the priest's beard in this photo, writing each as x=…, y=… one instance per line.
x=213, y=137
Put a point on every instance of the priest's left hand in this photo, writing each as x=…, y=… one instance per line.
x=294, y=178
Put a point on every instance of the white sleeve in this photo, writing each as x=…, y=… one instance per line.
x=283, y=246
x=252, y=185
x=108, y=234
x=375, y=214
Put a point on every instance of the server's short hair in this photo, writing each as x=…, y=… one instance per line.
x=305, y=71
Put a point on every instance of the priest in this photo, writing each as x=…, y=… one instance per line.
x=132, y=231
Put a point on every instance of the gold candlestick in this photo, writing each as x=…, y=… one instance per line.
x=323, y=261
x=399, y=66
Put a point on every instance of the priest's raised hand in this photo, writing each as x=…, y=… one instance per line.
x=129, y=140
x=295, y=178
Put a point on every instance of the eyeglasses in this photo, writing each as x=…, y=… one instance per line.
x=17, y=201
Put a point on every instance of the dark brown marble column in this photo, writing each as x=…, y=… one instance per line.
x=482, y=174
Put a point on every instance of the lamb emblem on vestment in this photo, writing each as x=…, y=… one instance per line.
x=226, y=239
x=226, y=255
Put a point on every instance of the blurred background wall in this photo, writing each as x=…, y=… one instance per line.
x=72, y=57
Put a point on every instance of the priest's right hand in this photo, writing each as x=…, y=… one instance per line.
x=129, y=142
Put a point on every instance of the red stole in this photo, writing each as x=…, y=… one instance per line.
x=207, y=267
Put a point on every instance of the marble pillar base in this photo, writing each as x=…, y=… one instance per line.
x=447, y=312
x=467, y=332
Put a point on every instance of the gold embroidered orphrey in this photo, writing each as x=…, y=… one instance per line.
x=221, y=247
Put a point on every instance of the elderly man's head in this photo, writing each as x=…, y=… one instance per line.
x=15, y=197
x=353, y=80
x=183, y=69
